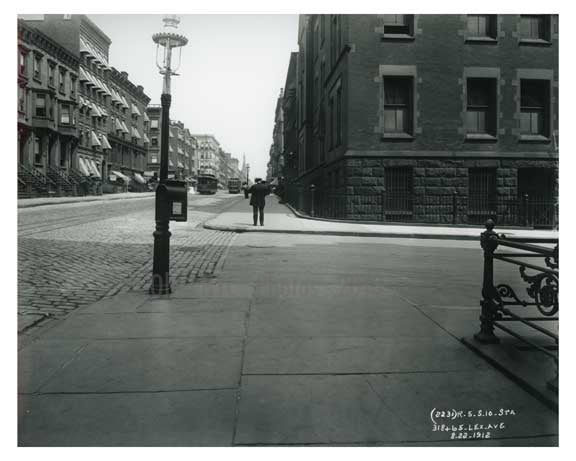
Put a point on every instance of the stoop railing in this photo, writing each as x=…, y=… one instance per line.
x=543, y=284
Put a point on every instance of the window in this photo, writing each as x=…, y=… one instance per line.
x=535, y=27
x=65, y=115
x=37, y=67
x=398, y=105
x=534, y=103
x=399, y=192
x=482, y=192
x=41, y=105
x=154, y=124
x=72, y=86
x=481, y=106
x=37, y=150
x=398, y=24
x=51, y=74
x=21, y=99
x=62, y=81
x=22, y=62
x=482, y=26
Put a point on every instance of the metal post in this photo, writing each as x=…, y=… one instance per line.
x=488, y=242
x=382, y=205
x=312, y=198
x=525, y=207
x=454, y=206
x=161, y=265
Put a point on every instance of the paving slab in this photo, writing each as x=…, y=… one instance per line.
x=413, y=396
x=150, y=365
x=307, y=289
x=195, y=305
x=312, y=409
x=198, y=418
x=212, y=290
x=152, y=325
x=41, y=360
x=124, y=302
x=308, y=317
x=356, y=355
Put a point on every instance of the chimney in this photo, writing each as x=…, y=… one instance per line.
x=140, y=88
x=124, y=75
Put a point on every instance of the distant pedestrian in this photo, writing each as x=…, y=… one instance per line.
x=245, y=189
x=258, y=193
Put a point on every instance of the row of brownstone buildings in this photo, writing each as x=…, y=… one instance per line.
x=83, y=126
x=433, y=118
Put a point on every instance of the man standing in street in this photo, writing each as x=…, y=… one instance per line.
x=258, y=193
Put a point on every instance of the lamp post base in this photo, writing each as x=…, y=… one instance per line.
x=161, y=265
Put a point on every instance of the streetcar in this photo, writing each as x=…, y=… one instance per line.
x=234, y=186
x=207, y=184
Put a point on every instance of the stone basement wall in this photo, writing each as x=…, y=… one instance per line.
x=434, y=183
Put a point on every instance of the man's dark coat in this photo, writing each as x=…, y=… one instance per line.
x=258, y=193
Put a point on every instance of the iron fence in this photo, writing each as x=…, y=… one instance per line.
x=538, y=266
x=437, y=209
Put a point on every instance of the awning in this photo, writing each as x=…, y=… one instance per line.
x=146, y=119
x=139, y=178
x=146, y=140
x=124, y=127
x=105, y=142
x=170, y=163
x=95, y=111
x=117, y=125
x=116, y=96
x=135, y=133
x=124, y=102
x=83, y=47
x=103, y=111
x=83, y=168
x=83, y=77
x=180, y=151
x=180, y=165
x=95, y=140
x=93, y=168
x=125, y=178
x=107, y=89
x=135, y=111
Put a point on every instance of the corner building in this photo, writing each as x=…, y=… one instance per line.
x=429, y=118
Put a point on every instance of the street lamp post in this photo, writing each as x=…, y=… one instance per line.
x=161, y=265
x=247, y=174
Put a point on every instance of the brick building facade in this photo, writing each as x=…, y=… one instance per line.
x=402, y=116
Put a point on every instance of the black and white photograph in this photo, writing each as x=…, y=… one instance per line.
x=303, y=227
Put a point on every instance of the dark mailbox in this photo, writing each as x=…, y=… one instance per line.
x=172, y=198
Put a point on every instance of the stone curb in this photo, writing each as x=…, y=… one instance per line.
x=423, y=235
x=31, y=205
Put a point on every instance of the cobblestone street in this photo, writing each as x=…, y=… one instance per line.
x=72, y=255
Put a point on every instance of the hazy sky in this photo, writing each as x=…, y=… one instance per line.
x=232, y=70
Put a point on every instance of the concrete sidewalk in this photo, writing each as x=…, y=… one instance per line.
x=273, y=354
x=32, y=202
x=281, y=219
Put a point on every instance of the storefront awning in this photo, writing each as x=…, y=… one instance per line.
x=105, y=142
x=122, y=176
x=94, y=140
x=139, y=178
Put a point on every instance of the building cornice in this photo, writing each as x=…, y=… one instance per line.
x=30, y=35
